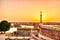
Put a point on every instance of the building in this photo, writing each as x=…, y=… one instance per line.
x=51, y=31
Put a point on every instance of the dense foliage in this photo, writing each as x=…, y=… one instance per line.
x=4, y=25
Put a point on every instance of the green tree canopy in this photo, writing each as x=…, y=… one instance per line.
x=4, y=25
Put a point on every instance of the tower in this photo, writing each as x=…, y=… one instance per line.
x=40, y=16
x=40, y=19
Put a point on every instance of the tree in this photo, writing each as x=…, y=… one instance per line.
x=4, y=26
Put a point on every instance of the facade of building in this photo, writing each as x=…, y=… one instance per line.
x=48, y=31
x=54, y=34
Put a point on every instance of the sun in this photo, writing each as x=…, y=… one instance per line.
x=44, y=17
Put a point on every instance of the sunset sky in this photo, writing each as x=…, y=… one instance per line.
x=29, y=10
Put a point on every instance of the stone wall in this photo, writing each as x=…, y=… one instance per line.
x=54, y=34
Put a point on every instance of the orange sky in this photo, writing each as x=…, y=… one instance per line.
x=29, y=10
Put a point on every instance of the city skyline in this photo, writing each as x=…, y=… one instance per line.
x=29, y=10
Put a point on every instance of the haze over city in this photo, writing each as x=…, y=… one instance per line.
x=29, y=10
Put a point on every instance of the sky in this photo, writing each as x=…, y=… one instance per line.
x=29, y=10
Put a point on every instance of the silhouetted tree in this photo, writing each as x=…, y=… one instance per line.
x=4, y=26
